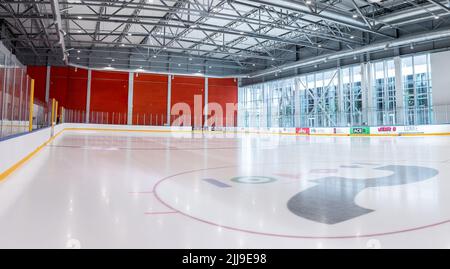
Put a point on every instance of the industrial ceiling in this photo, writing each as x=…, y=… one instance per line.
x=256, y=39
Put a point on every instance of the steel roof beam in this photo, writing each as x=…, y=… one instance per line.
x=170, y=11
x=336, y=18
x=134, y=17
x=203, y=26
x=157, y=47
x=58, y=25
x=19, y=25
x=442, y=6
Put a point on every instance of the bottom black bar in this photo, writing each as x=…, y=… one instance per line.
x=222, y=258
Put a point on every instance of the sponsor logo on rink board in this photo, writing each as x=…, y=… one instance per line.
x=360, y=130
x=412, y=129
x=387, y=129
x=302, y=131
x=321, y=130
x=340, y=130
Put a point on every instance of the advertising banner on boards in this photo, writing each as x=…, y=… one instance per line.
x=322, y=130
x=341, y=130
x=360, y=130
x=302, y=131
x=414, y=129
x=384, y=130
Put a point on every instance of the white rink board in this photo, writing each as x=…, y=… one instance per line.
x=15, y=149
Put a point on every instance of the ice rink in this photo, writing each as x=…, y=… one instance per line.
x=93, y=189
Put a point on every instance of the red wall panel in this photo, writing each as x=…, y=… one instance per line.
x=59, y=81
x=183, y=91
x=109, y=93
x=68, y=86
x=76, y=89
x=223, y=91
x=149, y=99
x=39, y=74
x=2, y=80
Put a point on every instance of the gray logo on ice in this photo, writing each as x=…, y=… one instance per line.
x=332, y=200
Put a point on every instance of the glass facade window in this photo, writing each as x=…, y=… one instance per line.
x=400, y=94
x=318, y=99
x=267, y=105
x=280, y=100
x=384, y=99
x=416, y=76
x=251, y=105
x=352, y=95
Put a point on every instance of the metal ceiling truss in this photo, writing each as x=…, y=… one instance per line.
x=211, y=37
